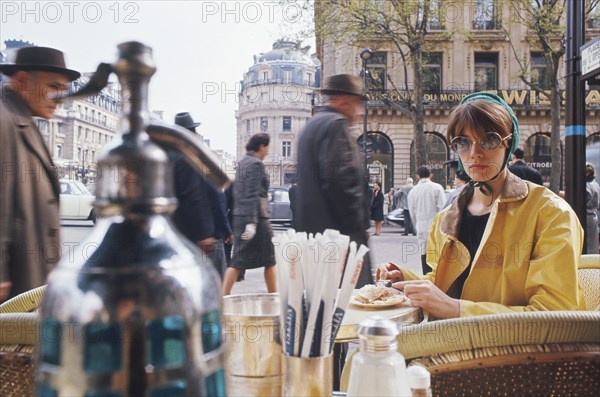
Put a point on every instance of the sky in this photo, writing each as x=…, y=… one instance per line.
x=201, y=48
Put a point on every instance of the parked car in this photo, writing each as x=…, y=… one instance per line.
x=91, y=187
x=279, y=205
x=396, y=217
x=76, y=201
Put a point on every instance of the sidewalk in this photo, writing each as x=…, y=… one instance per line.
x=391, y=245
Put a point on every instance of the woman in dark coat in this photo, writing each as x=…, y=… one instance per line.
x=252, y=234
x=377, y=208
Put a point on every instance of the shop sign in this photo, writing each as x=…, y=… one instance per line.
x=374, y=169
x=541, y=164
x=590, y=59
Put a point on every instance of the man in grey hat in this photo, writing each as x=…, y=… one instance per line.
x=29, y=191
x=332, y=186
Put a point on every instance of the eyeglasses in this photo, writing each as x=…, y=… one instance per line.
x=492, y=141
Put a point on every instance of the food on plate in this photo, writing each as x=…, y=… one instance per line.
x=378, y=294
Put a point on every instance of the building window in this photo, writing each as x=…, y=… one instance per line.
x=287, y=123
x=435, y=20
x=593, y=21
x=87, y=133
x=79, y=154
x=59, y=151
x=538, y=153
x=376, y=71
x=437, y=155
x=287, y=76
x=486, y=15
x=309, y=79
x=265, y=76
x=286, y=149
x=538, y=70
x=432, y=71
x=264, y=124
x=486, y=71
x=79, y=132
x=247, y=125
x=43, y=125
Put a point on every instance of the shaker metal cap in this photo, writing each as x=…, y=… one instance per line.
x=377, y=326
x=418, y=377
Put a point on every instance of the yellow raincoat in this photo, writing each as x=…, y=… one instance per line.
x=527, y=258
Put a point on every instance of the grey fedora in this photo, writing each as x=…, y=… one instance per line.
x=42, y=59
x=184, y=119
x=343, y=84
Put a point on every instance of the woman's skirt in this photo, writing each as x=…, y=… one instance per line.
x=255, y=253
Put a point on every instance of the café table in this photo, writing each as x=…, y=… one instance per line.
x=402, y=313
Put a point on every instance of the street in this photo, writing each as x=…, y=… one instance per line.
x=390, y=246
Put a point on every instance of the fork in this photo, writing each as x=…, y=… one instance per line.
x=383, y=283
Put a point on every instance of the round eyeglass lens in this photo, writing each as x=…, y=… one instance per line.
x=461, y=144
x=491, y=142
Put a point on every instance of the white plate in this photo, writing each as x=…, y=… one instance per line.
x=379, y=305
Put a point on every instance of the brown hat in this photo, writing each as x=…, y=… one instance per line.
x=343, y=84
x=39, y=59
x=185, y=120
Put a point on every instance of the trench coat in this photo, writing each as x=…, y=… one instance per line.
x=332, y=185
x=29, y=199
x=526, y=261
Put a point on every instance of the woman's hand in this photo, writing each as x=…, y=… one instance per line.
x=426, y=295
x=4, y=290
x=249, y=232
x=389, y=271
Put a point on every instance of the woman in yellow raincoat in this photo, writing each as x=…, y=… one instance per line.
x=505, y=245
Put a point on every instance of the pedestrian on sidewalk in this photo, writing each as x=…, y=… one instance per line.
x=402, y=200
x=332, y=185
x=377, y=204
x=592, y=205
x=523, y=170
x=30, y=190
x=252, y=247
x=425, y=200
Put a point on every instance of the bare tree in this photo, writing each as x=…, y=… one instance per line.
x=402, y=24
x=544, y=19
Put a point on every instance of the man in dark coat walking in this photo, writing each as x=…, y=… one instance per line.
x=523, y=170
x=29, y=192
x=332, y=186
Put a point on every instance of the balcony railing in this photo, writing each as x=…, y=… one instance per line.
x=490, y=24
x=304, y=83
x=514, y=97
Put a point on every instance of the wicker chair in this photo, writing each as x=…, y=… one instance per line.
x=18, y=335
x=588, y=274
x=516, y=354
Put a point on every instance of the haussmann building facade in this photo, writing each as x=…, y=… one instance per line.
x=480, y=58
